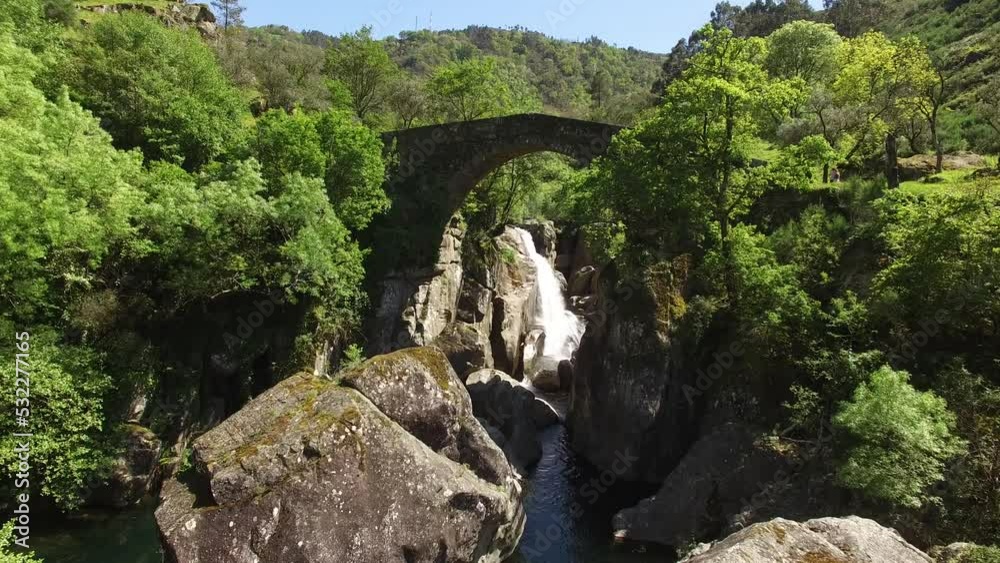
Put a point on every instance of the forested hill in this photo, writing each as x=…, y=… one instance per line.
x=589, y=79
x=572, y=78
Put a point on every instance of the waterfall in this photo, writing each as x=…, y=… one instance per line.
x=563, y=329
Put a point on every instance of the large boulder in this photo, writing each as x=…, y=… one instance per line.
x=534, y=346
x=714, y=480
x=313, y=471
x=628, y=393
x=825, y=540
x=418, y=389
x=514, y=302
x=544, y=374
x=514, y=410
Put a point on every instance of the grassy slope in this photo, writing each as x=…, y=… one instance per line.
x=966, y=34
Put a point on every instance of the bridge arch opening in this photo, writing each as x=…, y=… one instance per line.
x=435, y=168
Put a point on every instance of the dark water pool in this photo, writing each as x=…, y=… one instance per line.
x=101, y=537
x=556, y=487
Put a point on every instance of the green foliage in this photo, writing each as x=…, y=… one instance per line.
x=944, y=263
x=805, y=50
x=477, y=89
x=708, y=124
x=288, y=143
x=65, y=211
x=69, y=445
x=8, y=553
x=229, y=12
x=281, y=68
x=980, y=554
x=901, y=439
x=854, y=17
x=768, y=299
x=364, y=68
x=971, y=495
x=158, y=89
x=814, y=244
x=355, y=169
x=563, y=73
x=354, y=356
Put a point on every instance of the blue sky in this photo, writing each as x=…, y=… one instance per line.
x=652, y=25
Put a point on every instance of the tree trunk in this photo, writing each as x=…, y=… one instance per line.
x=826, y=173
x=891, y=161
x=938, y=147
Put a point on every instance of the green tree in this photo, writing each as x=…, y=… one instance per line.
x=803, y=49
x=901, y=439
x=69, y=447
x=881, y=78
x=158, y=89
x=66, y=195
x=988, y=107
x=477, y=89
x=355, y=169
x=854, y=17
x=363, y=66
x=288, y=143
x=230, y=12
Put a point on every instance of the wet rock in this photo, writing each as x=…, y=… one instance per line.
x=534, y=344
x=628, y=392
x=133, y=475
x=563, y=284
x=545, y=374
x=825, y=540
x=582, y=281
x=565, y=375
x=714, y=480
x=514, y=410
x=584, y=304
x=545, y=237
x=513, y=304
x=311, y=471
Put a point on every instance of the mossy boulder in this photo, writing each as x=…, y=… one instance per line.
x=312, y=471
x=418, y=389
x=825, y=540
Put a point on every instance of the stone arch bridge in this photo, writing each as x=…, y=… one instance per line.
x=438, y=165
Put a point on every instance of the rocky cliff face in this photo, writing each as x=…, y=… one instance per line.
x=825, y=540
x=721, y=473
x=627, y=387
x=172, y=13
x=513, y=304
x=417, y=306
x=477, y=317
x=315, y=471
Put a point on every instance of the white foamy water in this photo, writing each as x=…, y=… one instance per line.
x=563, y=329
